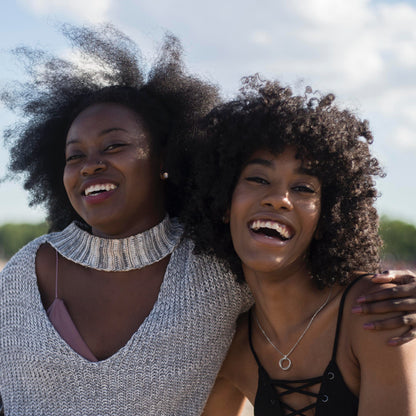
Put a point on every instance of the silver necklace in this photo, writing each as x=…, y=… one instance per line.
x=285, y=362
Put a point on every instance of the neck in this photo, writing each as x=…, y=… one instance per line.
x=285, y=303
x=110, y=254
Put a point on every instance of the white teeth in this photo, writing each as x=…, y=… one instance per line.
x=280, y=228
x=99, y=188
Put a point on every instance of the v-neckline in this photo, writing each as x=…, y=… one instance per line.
x=135, y=336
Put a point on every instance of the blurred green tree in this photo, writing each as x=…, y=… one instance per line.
x=399, y=240
x=15, y=236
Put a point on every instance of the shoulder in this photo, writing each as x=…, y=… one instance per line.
x=369, y=345
x=377, y=369
x=354, y=322
x=25, y=256
x=21, y=268
x=361, y=286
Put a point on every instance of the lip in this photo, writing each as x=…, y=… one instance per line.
x=265, y=239
x=97, y=198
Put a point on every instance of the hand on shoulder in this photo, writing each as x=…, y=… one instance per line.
x=386, y=374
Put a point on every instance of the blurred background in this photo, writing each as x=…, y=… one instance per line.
x=362, y=50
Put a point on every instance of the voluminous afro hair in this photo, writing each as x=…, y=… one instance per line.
x=109, y=68
x=267, y=116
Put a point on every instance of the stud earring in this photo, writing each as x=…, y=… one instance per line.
x=164, y=175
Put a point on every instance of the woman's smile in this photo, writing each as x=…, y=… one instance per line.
x=274, y=212
x=97, y=192
x=111, y=176
x=272, y=229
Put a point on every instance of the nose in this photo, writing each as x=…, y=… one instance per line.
x=277, y=199
x=92, y=166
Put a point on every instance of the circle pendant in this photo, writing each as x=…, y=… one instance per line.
x=284, y=366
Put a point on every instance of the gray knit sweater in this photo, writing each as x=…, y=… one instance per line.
x=167, y=368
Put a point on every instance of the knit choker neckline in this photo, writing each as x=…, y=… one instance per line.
x=122, y=254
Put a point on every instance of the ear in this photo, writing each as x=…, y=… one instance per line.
x=318, y=232
x=226, y=217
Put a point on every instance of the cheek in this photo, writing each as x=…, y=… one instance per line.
x=141, y=147
x=67, y=180
x=312, y=207
x=241, y=200
x=312, y=211
x=235, y=212
x=70, y=182
x=142, y=152
x=238, y=215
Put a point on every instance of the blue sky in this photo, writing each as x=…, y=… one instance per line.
x=362, y=50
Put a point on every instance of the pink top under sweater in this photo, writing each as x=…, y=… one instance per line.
x=61, y=320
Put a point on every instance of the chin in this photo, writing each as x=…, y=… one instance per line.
x=263, y=266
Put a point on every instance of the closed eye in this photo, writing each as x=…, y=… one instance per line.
x=257, y=179
x=304, y=188
x=114, y=146
x=74, y=157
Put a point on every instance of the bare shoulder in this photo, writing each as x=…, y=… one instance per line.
x=44, y=255
x=374, y=356
x=354, y=322
x=361, y=287
x=384, y=375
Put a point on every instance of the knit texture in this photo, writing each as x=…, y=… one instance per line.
x=122, y=254
x=167, y=367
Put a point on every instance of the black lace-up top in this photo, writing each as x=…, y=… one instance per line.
x=334, y=397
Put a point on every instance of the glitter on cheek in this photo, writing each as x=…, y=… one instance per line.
x=142, y=153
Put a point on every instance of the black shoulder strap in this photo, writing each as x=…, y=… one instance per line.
x=341, y=310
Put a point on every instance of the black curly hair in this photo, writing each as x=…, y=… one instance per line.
x=109, y=69
x=268, y=116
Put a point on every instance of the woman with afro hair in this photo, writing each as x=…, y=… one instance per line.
x=111, y=313
x=286, y=200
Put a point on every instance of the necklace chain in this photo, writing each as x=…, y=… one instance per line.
x=285, y=362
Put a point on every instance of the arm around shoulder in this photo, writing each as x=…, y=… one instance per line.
x=387, y=374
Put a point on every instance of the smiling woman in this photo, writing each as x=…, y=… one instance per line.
x=294, y=177
x=282, y=183
x=111, y=313
x=111, y=176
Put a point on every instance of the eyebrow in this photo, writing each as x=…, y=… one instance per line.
x=269, y=164
x=258, y=161
x=101, y=133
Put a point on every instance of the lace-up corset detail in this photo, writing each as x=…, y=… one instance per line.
x=296, y=386
x=334, y=396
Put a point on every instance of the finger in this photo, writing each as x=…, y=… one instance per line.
x=410, y=335
x=400, y=277
x=386, y=306
x=395, y=322
x=392, y=292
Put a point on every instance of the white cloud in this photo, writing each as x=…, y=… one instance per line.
x=363, y=50
x=333, y=12
x=260, y=37
x=406, y=138
x=92, y=10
